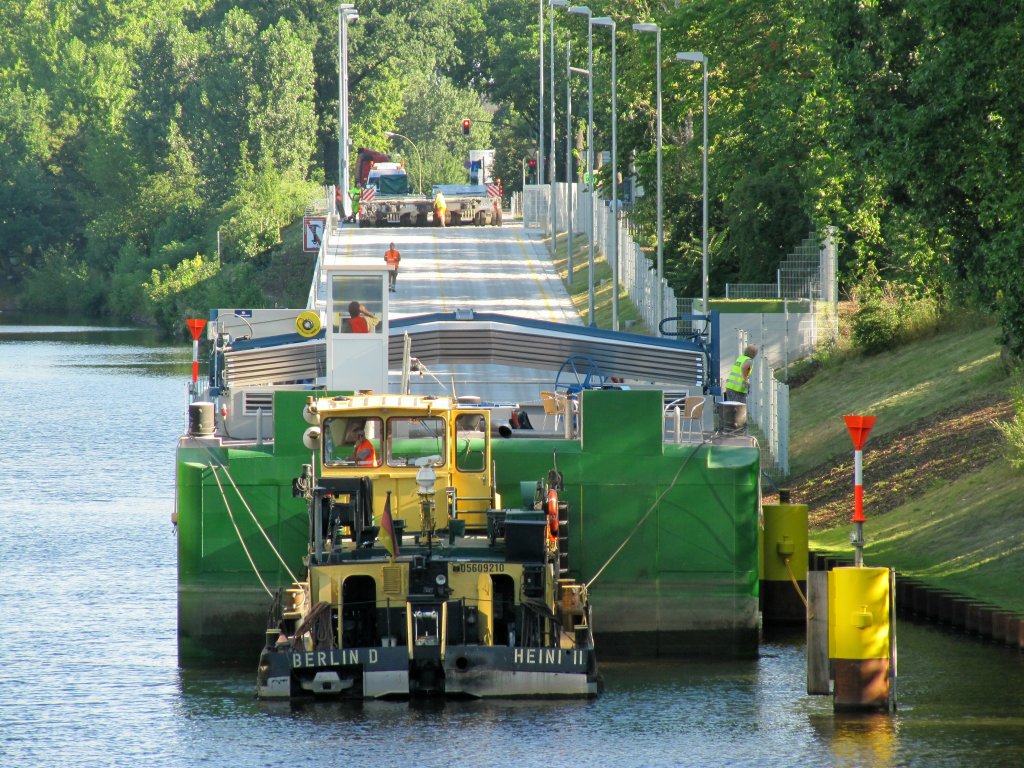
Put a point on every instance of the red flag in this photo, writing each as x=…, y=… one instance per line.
x=387, y=530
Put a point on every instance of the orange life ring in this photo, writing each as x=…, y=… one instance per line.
x=553, y=514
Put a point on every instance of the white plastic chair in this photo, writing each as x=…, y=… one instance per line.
x=688, y=410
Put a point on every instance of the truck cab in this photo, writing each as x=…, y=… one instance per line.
x=388, y=179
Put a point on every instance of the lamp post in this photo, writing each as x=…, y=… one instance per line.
x=583, y=10
x=419, y=157
x=569, y=186
x=540, y=96
x=551, y=161
x=346, y=13
x=605, y=21
x=659, y=304
x=700, y=58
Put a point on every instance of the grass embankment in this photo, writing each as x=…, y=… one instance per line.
x=941, y=500
x=579, y=285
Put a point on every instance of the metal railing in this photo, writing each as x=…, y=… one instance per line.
x=768, y=416
x=320, y=206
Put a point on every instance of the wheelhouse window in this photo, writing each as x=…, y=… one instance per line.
x=358, y=302
x=352, y=441
x=412, y=439
x=470, y=442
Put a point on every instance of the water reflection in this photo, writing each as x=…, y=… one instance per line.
x=90, y=677
x=858, y=739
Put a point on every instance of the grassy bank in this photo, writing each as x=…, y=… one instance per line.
x=941, y=501
x=579, y=285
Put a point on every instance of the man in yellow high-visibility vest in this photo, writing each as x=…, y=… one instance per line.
x=737, y=384
x=355, y=194
x=440, y=208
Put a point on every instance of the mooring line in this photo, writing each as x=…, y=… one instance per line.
x=796, y=584
x=241, y=540
x=642, y=519
x=251, y=514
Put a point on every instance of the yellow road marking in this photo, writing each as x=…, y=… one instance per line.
x=440, y=277
x=536, y=278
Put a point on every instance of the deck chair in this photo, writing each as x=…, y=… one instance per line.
x=551, y=404
x=693, y=415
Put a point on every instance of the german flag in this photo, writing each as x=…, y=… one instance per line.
x=387, y=530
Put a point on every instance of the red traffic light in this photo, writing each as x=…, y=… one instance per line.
x=532, y=163
x=465, y=126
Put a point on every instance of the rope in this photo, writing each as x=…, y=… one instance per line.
x=642, y=520
x=252, y=515
x=796, y=584
x=240, y=539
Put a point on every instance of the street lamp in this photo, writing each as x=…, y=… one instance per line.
x=540, y=97
x=606, y=21
x=569, y=186
x=583, y=10
x=699, y=58
x=659, y=304
x=552, y=212
x=419, y=157
x=346, y=13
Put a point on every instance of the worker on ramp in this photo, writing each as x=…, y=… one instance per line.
x=392, y=258
x=440, y=208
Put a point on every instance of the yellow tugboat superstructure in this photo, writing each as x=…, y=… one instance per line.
x=419, y=581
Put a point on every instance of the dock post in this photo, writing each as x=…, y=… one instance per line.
x=784, y=562
x=818, y=676
x=860, y=637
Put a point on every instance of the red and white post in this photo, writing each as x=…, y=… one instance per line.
x=195, y=327
x=859, y=428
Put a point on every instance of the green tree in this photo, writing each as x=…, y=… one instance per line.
x=435, y=108
x=26, y=226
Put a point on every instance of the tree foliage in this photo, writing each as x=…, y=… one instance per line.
x=135, y=130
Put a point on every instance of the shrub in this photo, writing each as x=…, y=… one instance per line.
x=61, y=284
x=169, y=290
x=891, y=316
x=1013, y=430
x=876, y=326
x=919, y=318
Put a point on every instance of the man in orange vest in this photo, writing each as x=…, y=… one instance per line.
x=392, y=257
x=363, y=454
x=357, y=318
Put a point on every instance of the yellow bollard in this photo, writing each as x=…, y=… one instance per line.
x=860, y=637
x=784, y=563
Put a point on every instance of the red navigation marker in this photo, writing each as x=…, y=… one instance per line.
x=195, y=327
x=859, y=428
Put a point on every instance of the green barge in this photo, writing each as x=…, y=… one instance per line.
x=663, y=528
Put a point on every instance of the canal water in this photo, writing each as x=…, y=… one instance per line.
x=88, y=664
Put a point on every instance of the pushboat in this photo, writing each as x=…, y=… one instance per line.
x=418, y=581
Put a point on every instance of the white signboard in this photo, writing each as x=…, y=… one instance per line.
x=313, y=232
